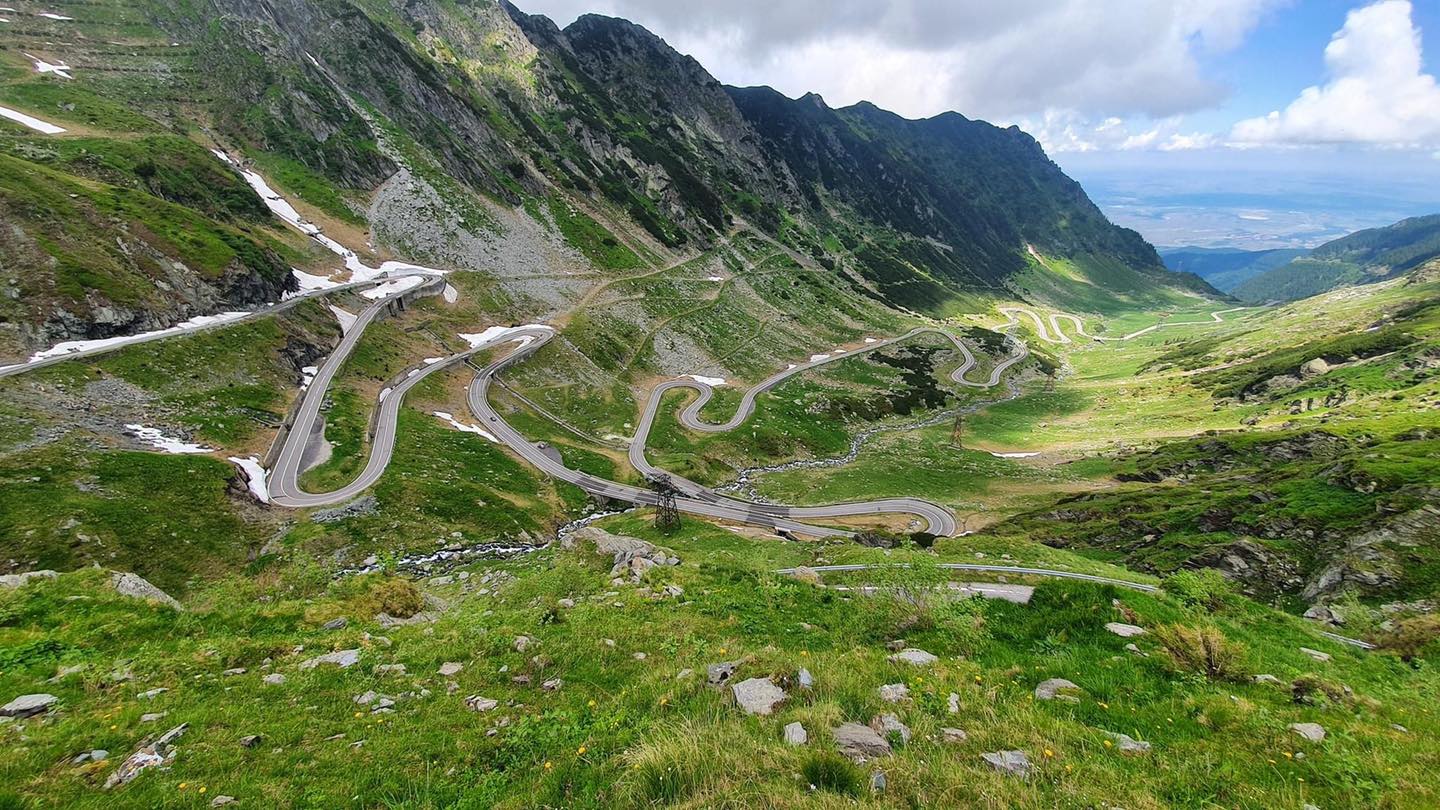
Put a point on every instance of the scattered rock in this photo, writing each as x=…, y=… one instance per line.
x=450, y=668
x=1058, y=689
x=476, y=703
x=1314, y=368
x=389, y=669
x=795, y=734
x=341, y=658
x=1314, y=732
x=1125, y=630
x=552, y=685
x=230, y=673
x=914, y=656
x=97, y=755
x=1316, y=654
x=151, y=694
x=223, y=801
x=273, y=679
x=1134, y=649
x=804, y=679
x=250, y=740
x=21, y=580
x=1014, y=763
x=896, y=645
x=29, y=705
x=522, y=643
x=717, y=674
x=629, y=554
x=757, y=695
x=954, y=735
x=859, y=742
x=877, y=782
x=148, y=756
x=1128, y=744
x=1399, y=728
x=894, y=692
x=887, y=724
x=337, y=623
x=807, y=575
x=1267, y=678
x=952, y=703
x=136, y=587
x=152, y=717
x=366, y=698
x=565, y=603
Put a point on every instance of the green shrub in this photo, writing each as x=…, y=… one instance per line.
x=1413, y=638
x=1204, y=588
x=827, y=770
x=1203, y=650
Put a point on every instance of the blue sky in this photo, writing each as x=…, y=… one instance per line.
x=1170, y=112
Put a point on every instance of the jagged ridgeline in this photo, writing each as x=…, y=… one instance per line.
x=490, y=107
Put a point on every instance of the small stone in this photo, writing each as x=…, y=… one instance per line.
x=476, y=703
x=1399, y=728
x=337, y=623
x=566, y=603
x=273, y=679
x=952, y=703
x=151, y=717
x=151, y=694
x=159, y=752
x=389, y=669
x=795, y=735
x=1134, y=649
x=1266, y=678
x=806, y=574
x=343, y=659
x=914, y=657
x=684, y=673
x=894, y=692
x=223, y=801
x=21, y=580
x=757, y=695
x=28, y=705
x=804, y=679
x=1057, y=689
x=1314, y=732
x=895, y=646
x=250, y=740
x=877, y=782
x=1128, y=744
x=1316, y=654
x=552, y=685
x=522, y=643
x=366, y=698
x=639, y=656
x=954, y=735
x=450, y=668
x=889, y=724
x=859, y=742
x=230, y=673
x=521, y=680
x=1125, y=630
x=383, y=704
x=1014, y=763
x=717, y=674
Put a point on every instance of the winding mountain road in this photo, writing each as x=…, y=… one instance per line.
x=1059, y=336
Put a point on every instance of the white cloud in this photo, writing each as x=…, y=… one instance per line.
x=1061, y=131
x=994, y=59
x=1376, y=92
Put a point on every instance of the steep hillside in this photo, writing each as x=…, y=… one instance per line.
x=465, y=135
x=1360, y=258
x=1227, y=268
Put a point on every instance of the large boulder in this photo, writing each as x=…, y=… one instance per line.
x=629, y=555
x=757, y=695
x=1014, y=763
x=1314, y=368
x=136, y=587
x=859, y=742
x=27, y=705
x=1058, y=689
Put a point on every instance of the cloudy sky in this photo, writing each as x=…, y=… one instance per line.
x=1336, y=87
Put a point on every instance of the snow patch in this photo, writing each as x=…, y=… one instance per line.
x=346, y=319
x=254, y=477
x=41, y=66
x=1014, y=455
x=792, y=365
x=497, y=334
x=715, y=278
x=391, y=288
x=309, y=373
x=871, y=340
x=712, y=381
x=310, y=282
x=815, y=358
x=72, y=346
x=466, y=428
x=384, y=392
x=430, y=361
x=160, y=441
x=33, y=123
x=50, y=15
x=451, y=294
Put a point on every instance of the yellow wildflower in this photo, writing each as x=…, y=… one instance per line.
x=549, y=765
x=581, y=751
x=1049, y=753
x=1108, y=743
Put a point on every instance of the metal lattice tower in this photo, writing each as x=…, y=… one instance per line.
x=957, y=433
x=667, y=514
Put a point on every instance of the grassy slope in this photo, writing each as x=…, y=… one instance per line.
x=627, y=732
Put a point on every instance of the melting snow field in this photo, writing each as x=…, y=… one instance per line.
x=346, y=319
x=309, y=372
x=496, y=334
x=254, y=477
x=72, y=346
x=711, y=381
x=310, y=282
x=461, y=426
x=1014, y=455
x=160, y=441
x=33, y=123
x=41, y=66
x=50, y=15
x=815, y=358
x=395, y=287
